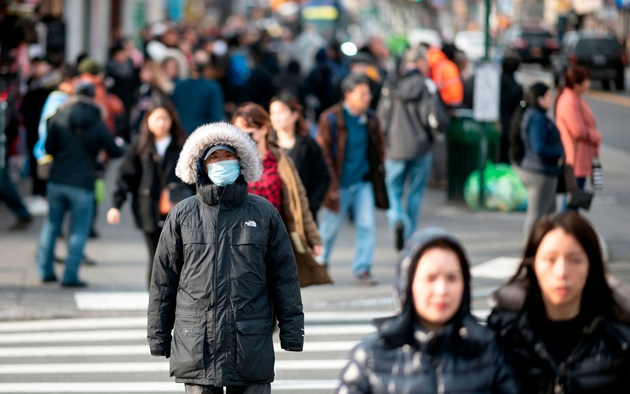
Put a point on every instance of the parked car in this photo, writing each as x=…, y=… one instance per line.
x=600, y=53
x=472, y=43
x=532, y=44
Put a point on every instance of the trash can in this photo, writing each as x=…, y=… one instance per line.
x=463, y=142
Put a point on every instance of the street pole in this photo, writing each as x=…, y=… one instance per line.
x=483, y=140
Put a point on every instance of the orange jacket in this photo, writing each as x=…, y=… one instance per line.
x=445, y=74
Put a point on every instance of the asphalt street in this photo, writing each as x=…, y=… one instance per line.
x=54, y=340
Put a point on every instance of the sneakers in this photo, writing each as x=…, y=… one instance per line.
x=399, y=237
x=364, y=279
x=78, y=283
x=21, y=224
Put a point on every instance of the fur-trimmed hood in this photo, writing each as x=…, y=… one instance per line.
x=212, y=134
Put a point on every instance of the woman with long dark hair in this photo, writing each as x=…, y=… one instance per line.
x=537, y=153
x=434, y=345
x=563, y=326
x=148, y=169
x=577, y=125
x=281, y=185
x=290, y=132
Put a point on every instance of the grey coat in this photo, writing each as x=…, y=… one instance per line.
x=401, y=115
x=223, y=267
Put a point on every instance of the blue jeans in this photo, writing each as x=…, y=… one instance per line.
x=360, y=198
x=63, y=198
x=10, y=195
x=415, y=174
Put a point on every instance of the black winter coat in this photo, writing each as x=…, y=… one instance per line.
x=76, y=135
x=600, y=363
x=310, y=164
x=464, y=361
x=139, y=176
x=223, y=266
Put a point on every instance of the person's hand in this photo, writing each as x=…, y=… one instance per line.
x=113, y=216
x=161, y=353
x=317, y=250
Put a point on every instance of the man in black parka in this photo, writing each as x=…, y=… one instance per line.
x=223, y=267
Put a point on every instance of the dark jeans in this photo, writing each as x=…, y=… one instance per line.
x=10, y=195
x=152, y=239
x=63, y=198
x=254, y=389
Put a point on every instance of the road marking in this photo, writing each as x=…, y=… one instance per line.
x=112, y=301
x=499, y=268
x=66, y=324
x=161, y=366
x=126, y=335
x=152, y=387
x=135, y=350
x=338, y=317
x=621, y=101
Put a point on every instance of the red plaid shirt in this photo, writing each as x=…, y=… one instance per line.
x=269, y=185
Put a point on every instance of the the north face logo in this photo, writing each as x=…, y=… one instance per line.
x=251, y=223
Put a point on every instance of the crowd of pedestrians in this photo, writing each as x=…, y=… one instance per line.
x=229, y=211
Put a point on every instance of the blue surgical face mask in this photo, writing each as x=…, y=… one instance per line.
x=224, y=172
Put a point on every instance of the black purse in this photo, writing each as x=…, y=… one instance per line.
x=576, y=198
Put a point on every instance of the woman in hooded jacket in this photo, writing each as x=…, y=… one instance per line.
x=563, y=324
x=434, y=345
x=148, y=169
x=281, y=185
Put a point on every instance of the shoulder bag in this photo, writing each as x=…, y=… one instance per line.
x=172, y=193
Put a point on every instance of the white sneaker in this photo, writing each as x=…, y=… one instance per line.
x=36, y=205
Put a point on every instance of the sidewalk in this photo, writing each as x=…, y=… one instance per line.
x=121, y=256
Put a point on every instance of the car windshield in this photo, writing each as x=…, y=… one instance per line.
x=603, y=46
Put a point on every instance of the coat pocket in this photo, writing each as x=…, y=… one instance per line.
x=188, y=348
x=254, y=347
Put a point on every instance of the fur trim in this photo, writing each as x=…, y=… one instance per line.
x=218, y=133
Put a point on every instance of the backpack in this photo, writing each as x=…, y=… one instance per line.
x=433, y=110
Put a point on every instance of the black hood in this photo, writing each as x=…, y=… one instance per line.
x=83, y=114
x=391, y=327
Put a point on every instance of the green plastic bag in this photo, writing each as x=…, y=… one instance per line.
x=100, y=191
x=504, y=190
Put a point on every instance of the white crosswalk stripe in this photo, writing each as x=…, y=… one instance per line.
x=111, y=355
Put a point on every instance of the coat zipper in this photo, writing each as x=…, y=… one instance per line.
x=214, y=312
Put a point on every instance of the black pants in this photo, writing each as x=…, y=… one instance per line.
x=152, y=239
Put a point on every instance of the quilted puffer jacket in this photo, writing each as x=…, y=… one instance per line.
x=223, y=267
x=600, y=363
x=402, y=357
